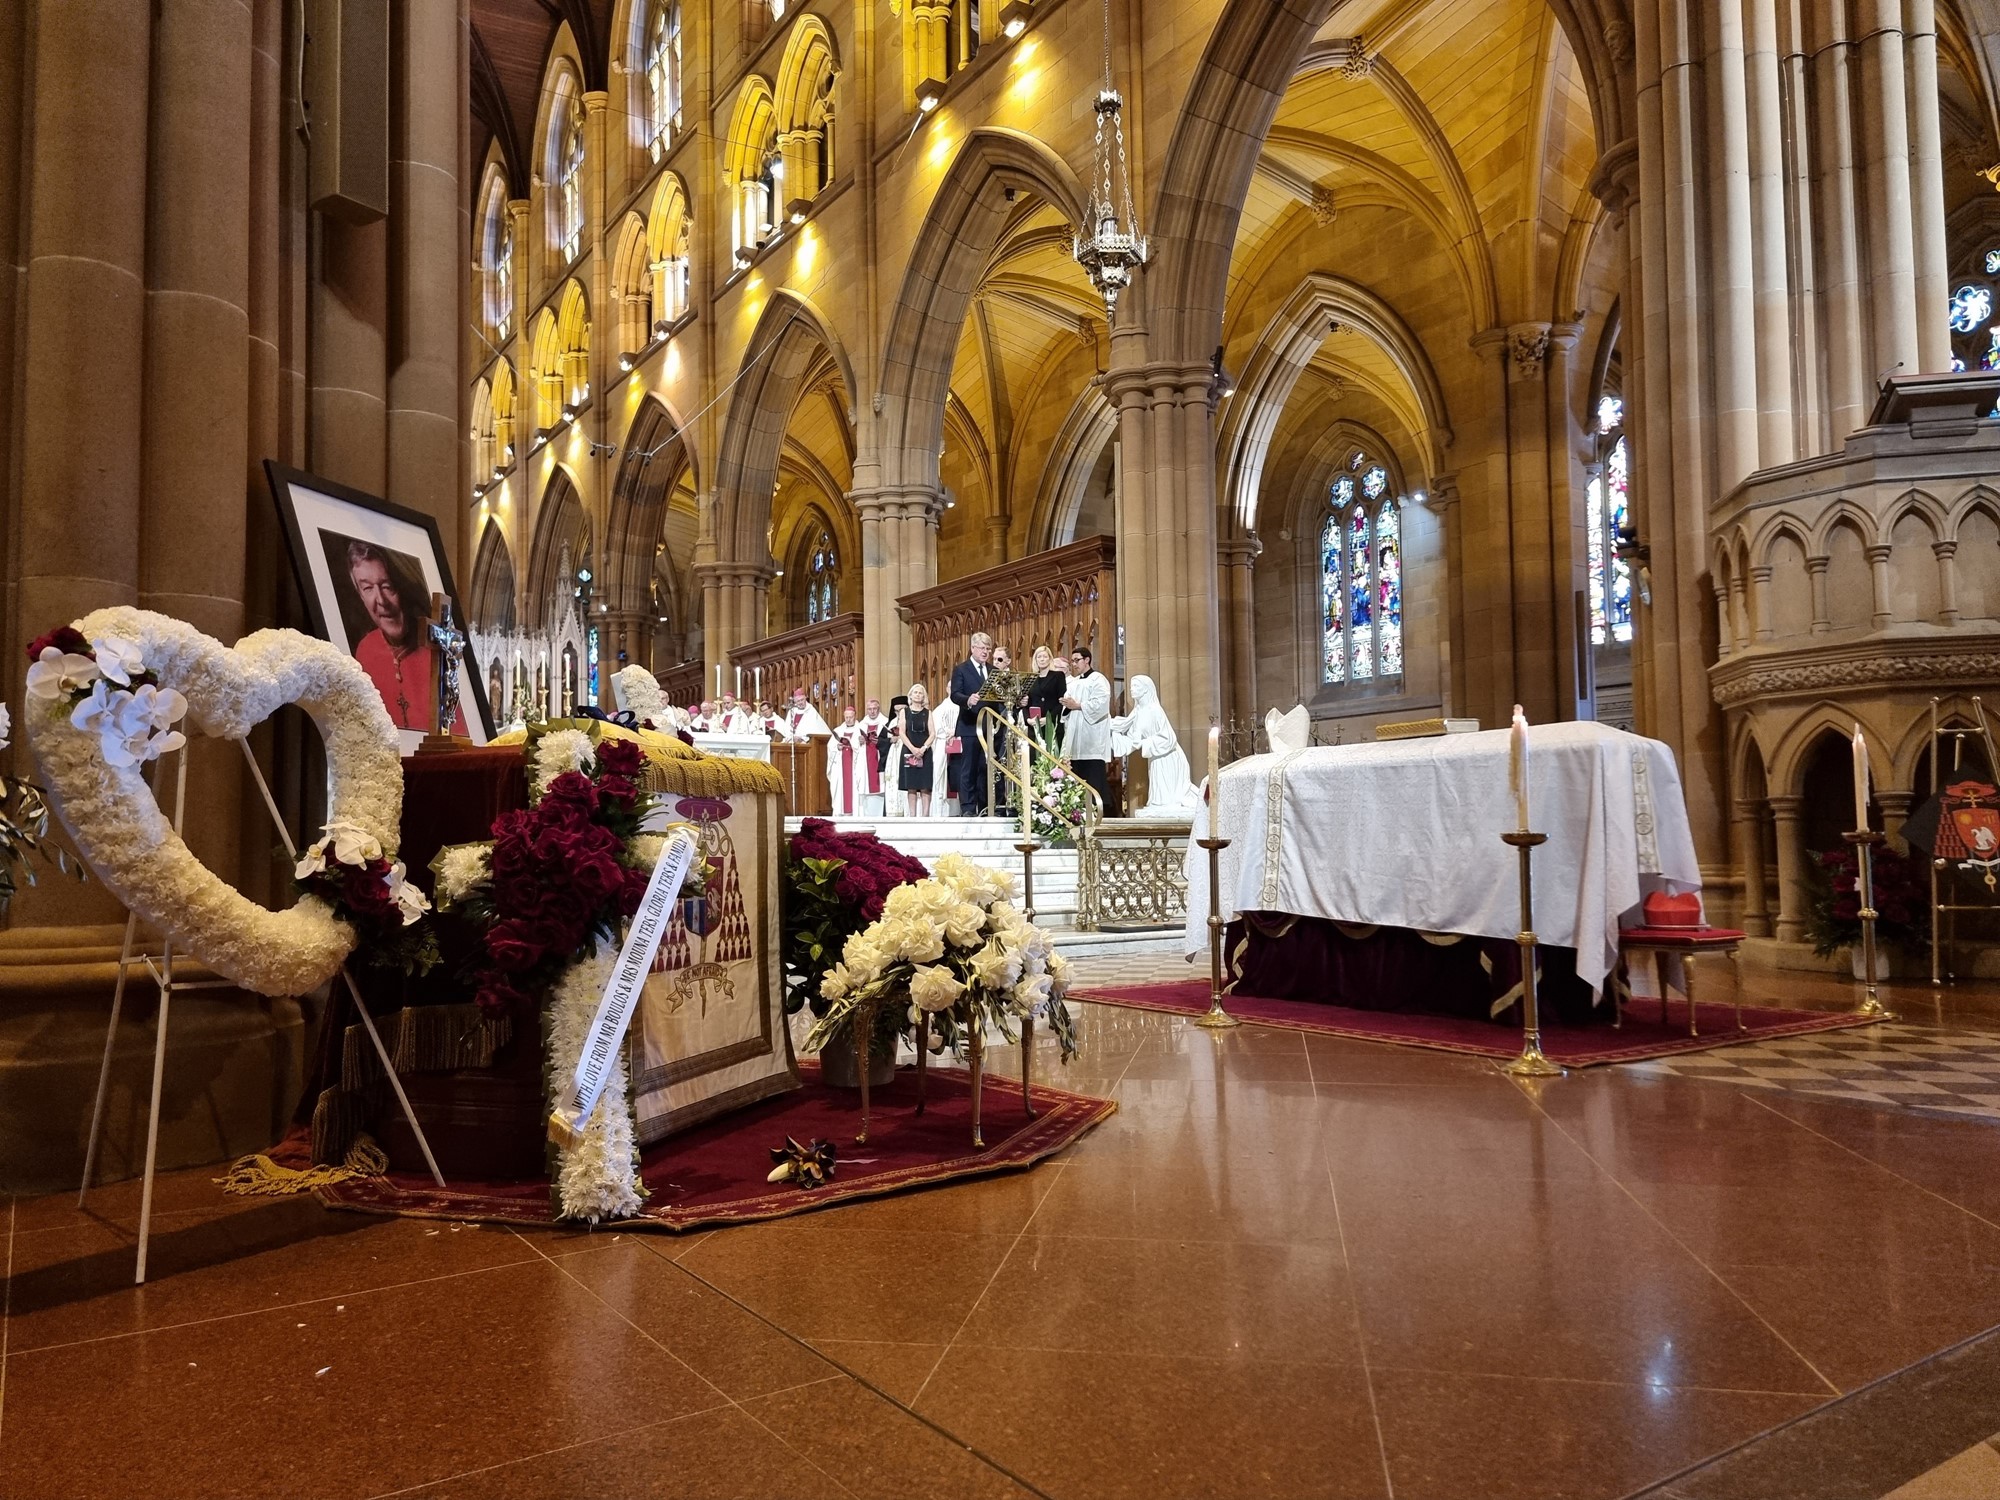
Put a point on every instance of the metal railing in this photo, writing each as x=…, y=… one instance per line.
x=998, y=766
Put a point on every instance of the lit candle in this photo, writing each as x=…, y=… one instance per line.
x=718, y=679
x=1517, y=766
x=1214, y=773
x=1860, y=781
x=757, y=683
x=739, y=684
x=1027, y=785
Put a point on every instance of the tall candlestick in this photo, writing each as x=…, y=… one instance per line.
x=757, y=683
x=1214, y=773
x=718, y=679
x=739, y=684
x=1027, y=788
x=1860, y=782
x=1517, y=767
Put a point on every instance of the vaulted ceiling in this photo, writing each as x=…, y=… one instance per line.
x=510, y=46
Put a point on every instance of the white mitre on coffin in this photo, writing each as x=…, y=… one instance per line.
x=1288, y=732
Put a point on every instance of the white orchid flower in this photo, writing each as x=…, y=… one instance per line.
x=162, y=707
x=60, y=673
x=99, y=712
x=312, y=862
x=410, y=900
x=353, y=844
x=118, y=659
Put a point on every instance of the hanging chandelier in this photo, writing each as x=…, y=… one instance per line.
x=1109, y=246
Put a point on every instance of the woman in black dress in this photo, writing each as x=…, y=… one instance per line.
x=913, y=733
x=1043, y=705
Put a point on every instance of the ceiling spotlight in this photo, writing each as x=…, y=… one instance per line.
x=797, y=209
x=625, y=362
x=660, y=329
x=930, y=94
x=1014, y=18
x=569, y=414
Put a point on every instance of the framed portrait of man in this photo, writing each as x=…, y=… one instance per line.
x=369, y=571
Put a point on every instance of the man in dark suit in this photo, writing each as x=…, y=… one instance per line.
x=968, y=683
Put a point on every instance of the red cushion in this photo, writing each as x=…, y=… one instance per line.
x=1680, y=937
x=1662, y=910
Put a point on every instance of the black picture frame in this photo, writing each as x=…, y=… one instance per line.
x=307, y=504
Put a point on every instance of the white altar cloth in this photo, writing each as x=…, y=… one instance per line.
x=1407, y=834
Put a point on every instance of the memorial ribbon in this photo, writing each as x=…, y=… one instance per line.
x=581, y=1092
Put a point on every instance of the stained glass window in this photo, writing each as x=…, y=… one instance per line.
x=569, y=180
x=1607, y=509
x=1971, y=306
x=1993, y=262
x=1361, y=578
x=663, y=74
x=822, y=580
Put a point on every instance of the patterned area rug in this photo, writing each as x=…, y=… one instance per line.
x=1917, y=1067
x=716, y=1173
x=1642, y=1036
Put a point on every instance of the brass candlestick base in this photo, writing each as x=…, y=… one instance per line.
x=1027, y=847
x=1215, y=1018
x=1864, y=843
x=1533, y=1062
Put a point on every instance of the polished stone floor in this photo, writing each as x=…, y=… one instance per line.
x=1289, y=1266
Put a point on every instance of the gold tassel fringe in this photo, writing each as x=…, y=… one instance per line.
x=259, y=1177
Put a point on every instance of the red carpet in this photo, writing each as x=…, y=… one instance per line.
x=1641, y=1037
x=715, y=1174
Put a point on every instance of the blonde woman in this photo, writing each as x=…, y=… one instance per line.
x=913, y=734
x=1045, y=692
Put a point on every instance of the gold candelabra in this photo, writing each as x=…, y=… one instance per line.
x=1864, y=842
x=1215, y=1018
x=1028, y=845
x=1533, y=1062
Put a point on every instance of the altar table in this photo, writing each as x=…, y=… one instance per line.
x=1407, y=834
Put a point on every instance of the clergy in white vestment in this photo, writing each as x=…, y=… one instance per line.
x=1087, y=724
x=703, y=720
x=732, y=717
x=767, y=720
x=848, y=751
x=802, y=720
x=1149, y=731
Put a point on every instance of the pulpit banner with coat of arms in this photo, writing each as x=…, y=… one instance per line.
x=710, y=1035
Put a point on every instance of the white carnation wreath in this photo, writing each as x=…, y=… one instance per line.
x=129, y=843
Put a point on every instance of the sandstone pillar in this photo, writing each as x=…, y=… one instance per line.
x=1793, y=896
x=1732, y=301
x=1236, y=560
x=898, y=557
x=427, y=457
x=1933, y=290
x=1748, y=828
x=1892, y=286
x=1850, y=389
x=1770, y=270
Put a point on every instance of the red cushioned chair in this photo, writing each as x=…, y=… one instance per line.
x=1674, y=924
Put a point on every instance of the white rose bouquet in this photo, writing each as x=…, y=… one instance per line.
x=956, y=948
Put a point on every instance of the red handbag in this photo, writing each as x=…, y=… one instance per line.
x=954, y=746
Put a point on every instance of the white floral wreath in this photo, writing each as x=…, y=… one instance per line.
x=119, y=828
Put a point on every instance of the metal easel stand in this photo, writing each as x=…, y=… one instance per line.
x=163, y=976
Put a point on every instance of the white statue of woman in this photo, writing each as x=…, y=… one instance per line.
x=1148, y=730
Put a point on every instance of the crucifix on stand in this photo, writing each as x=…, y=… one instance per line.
x=447, y=644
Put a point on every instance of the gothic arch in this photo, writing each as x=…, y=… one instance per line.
x=490, y=605
x=1092, y=422
x=561, y=518
x=1978, y=498
x=1786, y=764
x=1281, y=355
x=792, y=340
x=966, y=223
x=1848, y=514
x=654, y=455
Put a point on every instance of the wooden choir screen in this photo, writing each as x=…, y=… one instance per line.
x=1063, y=598
x=824, y=659
x=682, y=684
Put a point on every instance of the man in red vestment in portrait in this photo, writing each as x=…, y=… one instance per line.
x=396, y=654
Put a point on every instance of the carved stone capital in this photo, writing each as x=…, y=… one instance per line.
x=1527, y=351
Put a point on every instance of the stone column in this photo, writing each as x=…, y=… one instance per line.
x=898, y=557
x=1850, y=386
x=427, y=445
x=1736, y=328
x=1776, y=438
x=1947, y=556
x=733, y=605
x=1761, y=627
x=1892, y=288
x=1933, y=289
x=1878, y=573
x=195, y=448
x=1822, y=622
x=1895, y=811
x=1748, y=828
x=348, y=424
x=1236, y=563
x=1792, y=893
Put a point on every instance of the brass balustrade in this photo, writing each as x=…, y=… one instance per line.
x=1129, y=876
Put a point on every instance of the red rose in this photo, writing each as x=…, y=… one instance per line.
x=619, y=757
x=597, y=876
x=616, y=792
x=498, y=995
x=63, y=638
x=634, y=891
x=571, y=790
x=513, y=947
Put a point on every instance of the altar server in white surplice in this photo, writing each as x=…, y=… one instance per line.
x=847, y=753
x=1087, y=724
x=1149, y=731
x=944, y=724
x=892, y=761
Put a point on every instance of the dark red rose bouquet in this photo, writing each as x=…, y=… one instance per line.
x=1902, y=899
x=835, y=884
x=559, y=881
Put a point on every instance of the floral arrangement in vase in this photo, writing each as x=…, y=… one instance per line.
x=1061, y=802
x=835, y=886
x=955, y=947
x=1902, y=900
